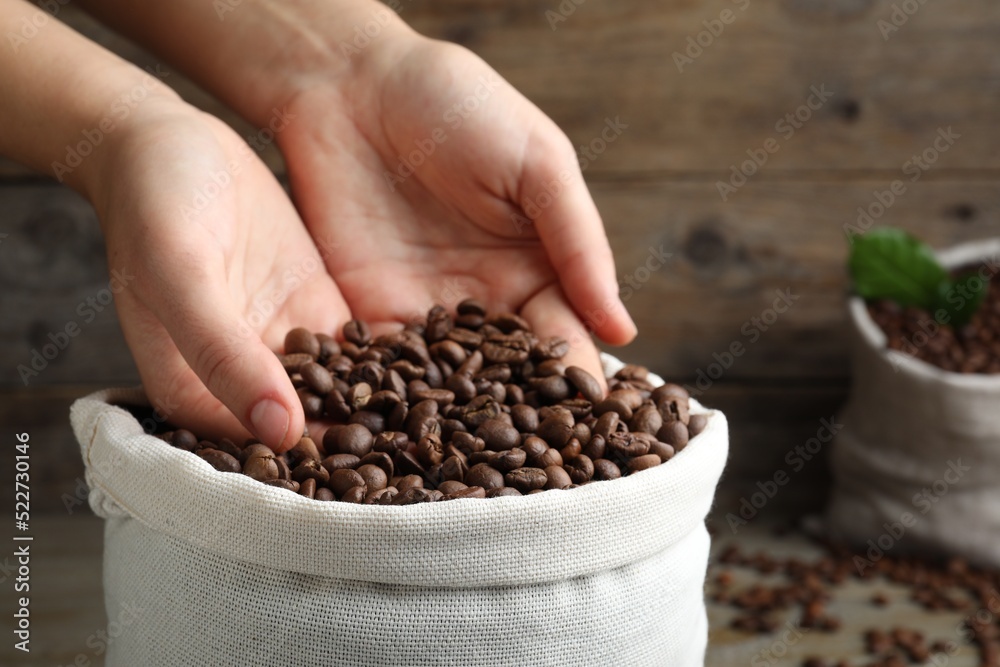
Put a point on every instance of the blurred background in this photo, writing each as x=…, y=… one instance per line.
x=830, y=100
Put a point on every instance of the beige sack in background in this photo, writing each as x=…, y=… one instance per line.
x=917, y=464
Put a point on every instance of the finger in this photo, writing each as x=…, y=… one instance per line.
x=550, y=314
x=554, y=195
x=193, y=302
x=176, y=393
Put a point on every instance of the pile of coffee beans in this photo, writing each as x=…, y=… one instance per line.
x=973, y=348
x=952, y=586
x=470, y=406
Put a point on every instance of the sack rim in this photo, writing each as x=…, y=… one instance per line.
x=660, y=506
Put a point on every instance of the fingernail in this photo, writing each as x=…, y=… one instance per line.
x=270, y=422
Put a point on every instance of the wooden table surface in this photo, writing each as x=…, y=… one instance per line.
x=67, y=608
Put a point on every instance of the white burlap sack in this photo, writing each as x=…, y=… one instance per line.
x=917, y=464
x=206, y=568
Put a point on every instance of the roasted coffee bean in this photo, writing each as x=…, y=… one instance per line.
x=468, y=443
x=646, y=419
x=312, y=404
x=284, y=472
x=509, y=460
x=449, y=427
x=336, y=407
x=467, y=492
x=485, y=476
x=471, y=307
x=534, y=447
x=374, y=422
x=596, y=448
x=307, y=488
x=410, y=482
x=551, y=389
x=479, y=410
x=184, y=439
x=498, y=435
x=292, y=363
x=304, y=449
x=580, y=469
x=450, y=486
x=580, y=408
x=374, y=476
x=380, y=459
x=614, y=404
x=254, y=449
x=383, y=401
x=441, y=396
x=413, y=496
x=358, y=333
x=571, y=449
x=472, y=365
x=343, y=480
x=627, y=444
x=355, y=495
x=354, y=439
x=317, y=378
x=340, y=462
x=556, y=430
x=379, y=496
x=462, y=388
x=557, y=477
x=439, y=323
x=430, y=450
x=503, y=349
x=497, y=373
x=585, y=383
x=407, y=464
x=643, y=462
x=674, y=434
x=697, y=424
x=502, y=491
x=606, y=424
x=303, y=341
x=605, y=470
x=448, y=351
x=672, y=409
x=508, y=322
x=310, y=469
x=662, y=449
x=324, y=494
x=550, y=348
x=366, y=371
x=550, y=457
x=526, y=479
x=261, y=467
x=513, y=395
x=469, y=340
x=454, y=468
x=669, y=391
x=283, y=484
x=221, y=461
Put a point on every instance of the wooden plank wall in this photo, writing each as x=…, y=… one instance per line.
x=656, y=186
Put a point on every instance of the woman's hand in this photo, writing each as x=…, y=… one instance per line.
x=223, y=267
x=437, y=181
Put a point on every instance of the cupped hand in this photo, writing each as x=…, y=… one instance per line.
x=219, y=268
x=429, y=179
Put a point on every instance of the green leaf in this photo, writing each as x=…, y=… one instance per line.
x=888, y=263
x=960, y=300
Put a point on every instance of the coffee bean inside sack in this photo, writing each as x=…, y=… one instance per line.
x=473, y=405
x=972, y=348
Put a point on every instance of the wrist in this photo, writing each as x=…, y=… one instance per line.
x=119, y=144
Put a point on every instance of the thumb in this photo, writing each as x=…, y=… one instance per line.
x=227, y=355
